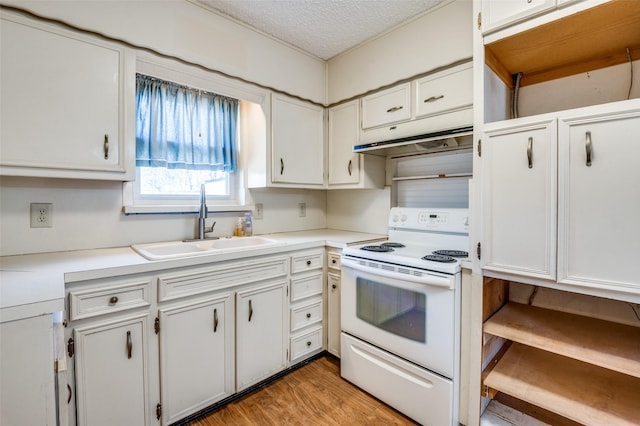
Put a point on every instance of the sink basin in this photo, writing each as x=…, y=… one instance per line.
x=177, y=249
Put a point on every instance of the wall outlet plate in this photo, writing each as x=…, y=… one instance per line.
x=257, y=212
x=41, y=215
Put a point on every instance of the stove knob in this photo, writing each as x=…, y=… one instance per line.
x=404, y=218
x=395, y=218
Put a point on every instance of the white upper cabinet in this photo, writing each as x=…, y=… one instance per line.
x=447, y=91
x=297, y=141
x=498, y=14
x=599, y=199
x=346, y=168
x=67, y=103
x=387, y=106
x=520, y=184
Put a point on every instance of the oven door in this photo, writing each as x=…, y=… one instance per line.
x=413, y=318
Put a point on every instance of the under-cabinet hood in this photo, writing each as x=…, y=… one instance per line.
x=443, y=140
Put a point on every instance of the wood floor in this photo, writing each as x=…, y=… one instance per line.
x=311, y=395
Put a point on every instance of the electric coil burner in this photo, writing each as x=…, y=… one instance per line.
x=439, y=258
x=377, y=249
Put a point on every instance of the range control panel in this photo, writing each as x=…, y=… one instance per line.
x=442, y=220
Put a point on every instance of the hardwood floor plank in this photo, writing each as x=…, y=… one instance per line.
x=314, y=394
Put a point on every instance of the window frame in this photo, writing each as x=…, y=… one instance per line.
x=193, y=76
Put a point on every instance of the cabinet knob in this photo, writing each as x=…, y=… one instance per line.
x=334, y=261
x=308, y=263
x=113, y=300
x=308, y=315
x=309, y=343
x=333, y=286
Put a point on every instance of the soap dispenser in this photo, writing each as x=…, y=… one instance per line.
x=248, y=225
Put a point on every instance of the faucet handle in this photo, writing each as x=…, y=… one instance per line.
x=210, y=229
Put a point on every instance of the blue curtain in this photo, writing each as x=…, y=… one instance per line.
x=179, y=127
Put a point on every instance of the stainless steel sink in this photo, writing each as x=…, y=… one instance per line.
x=177, y=249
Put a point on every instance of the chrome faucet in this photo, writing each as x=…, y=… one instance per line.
x=202, y=215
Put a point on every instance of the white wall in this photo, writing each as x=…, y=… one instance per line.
x=193, y=33
x=436, y=39
x=88, y=214
x=361, y=210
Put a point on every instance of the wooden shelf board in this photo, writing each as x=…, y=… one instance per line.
x=573, y=389
x=591, y=39
x=599, y=342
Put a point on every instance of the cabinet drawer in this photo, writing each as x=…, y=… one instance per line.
x=388, y=106
x=219, y=276
x=303, y=316
x=306, y=262
x=306, y=286
x=333, y=260
x=442, y=92
x=306, y=343
x=104, y=300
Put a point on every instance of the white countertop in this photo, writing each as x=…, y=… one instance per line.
x=33, y=284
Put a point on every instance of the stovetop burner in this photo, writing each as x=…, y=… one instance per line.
x=439, y=258
x=452, y=253
x=379, y=249
x=392, y=244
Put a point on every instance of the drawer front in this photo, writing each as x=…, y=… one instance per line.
x=306, y=261
x=444, y=92
x=220, y=276
x=386, y=107
x=104, y=300
x=333, y=260
x=306, y=343
x=306, y=286
x=303, y=316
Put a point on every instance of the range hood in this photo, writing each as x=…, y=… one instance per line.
x=442, y=140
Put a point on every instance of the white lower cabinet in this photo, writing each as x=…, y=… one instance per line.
x=111, y=371
x=196, y=355
x=260, y=333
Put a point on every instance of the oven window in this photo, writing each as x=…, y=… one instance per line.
x=395, y=310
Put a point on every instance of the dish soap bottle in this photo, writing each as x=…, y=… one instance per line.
x=248, y=226
x=238, y=231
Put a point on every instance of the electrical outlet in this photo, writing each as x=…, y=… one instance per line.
x=41, y=215
x=257, y=213
x=302, y=209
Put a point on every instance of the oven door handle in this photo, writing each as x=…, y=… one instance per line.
x=427, y=278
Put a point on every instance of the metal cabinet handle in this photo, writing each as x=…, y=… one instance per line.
x=70, y=392
x=215, y=320
x=113, y=300
x=129, y=345
x=589, y=149
x=106, y=147
x=250, y=310
x=395, y=108
x=281, y=166
x=349, y=167
x=308, y=315
x=433, y=99
x=530, y=152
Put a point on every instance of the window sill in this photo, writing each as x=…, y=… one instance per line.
x=183, y=209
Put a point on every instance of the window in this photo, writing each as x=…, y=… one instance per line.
x=184, y=137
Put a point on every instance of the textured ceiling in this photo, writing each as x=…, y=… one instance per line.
x=323, y=28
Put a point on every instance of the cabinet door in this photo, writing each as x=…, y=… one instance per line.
x=388, y=106
x=520, y=187
x=62, y=107
x=344, y=164
x=196, y=356
x=447, y=91
x=112, y=373
x=497, y=14
x=261, y=324
x=27, y=388
x=333, y=314
x=599, y=200
x=297, y=142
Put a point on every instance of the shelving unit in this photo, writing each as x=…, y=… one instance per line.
x=577, y=43
x=582, y=368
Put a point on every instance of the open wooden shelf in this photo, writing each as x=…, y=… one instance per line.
x=591, y=39
x=573, y=389
x=606, y=344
